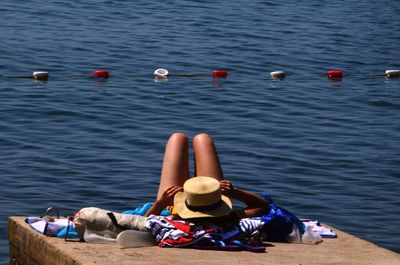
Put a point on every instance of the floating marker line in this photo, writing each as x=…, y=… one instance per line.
x=164, y=74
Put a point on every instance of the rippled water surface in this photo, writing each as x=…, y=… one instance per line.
x=324, y=149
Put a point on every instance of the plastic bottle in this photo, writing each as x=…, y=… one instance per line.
x=294, y=236
x=309, y=237
x=134, y=239
x=91, y=236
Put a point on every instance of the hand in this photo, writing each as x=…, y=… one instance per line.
x=167, y=198
x=226, y=187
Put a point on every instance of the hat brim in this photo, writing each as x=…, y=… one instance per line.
x=180, y=206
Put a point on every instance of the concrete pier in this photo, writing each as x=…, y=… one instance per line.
x=29, y=247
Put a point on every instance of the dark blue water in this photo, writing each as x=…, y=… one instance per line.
x=324, y=149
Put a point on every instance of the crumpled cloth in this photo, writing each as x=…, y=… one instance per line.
x=56, y=227
x=178, y=233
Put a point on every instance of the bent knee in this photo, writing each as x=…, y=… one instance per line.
x=202, y=138
x=178, y=136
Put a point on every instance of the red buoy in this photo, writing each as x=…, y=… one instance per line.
x=219, y=74
x=101, y=74
x=335, y=73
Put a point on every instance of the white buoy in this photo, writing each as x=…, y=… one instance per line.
x=40, y=75
x=392, y=73
x=278, y=74
x=161, y=73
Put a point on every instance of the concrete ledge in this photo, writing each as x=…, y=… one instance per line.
x=30, y=247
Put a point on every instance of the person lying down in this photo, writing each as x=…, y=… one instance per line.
x=196, y=211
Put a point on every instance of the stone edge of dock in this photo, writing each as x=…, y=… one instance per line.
x=30, y=247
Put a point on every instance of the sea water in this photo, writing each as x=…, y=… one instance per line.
x=324, y=149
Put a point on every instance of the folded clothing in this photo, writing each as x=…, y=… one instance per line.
x=52, y=227
x=319, y=229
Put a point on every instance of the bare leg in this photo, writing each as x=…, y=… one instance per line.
x=206, y=157
x=175, y=168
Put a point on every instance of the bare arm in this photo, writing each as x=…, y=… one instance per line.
x=165, y=200
x=255, y=204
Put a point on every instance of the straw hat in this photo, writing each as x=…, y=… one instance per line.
x=201, y=197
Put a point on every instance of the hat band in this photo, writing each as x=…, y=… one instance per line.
x=203, y=208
